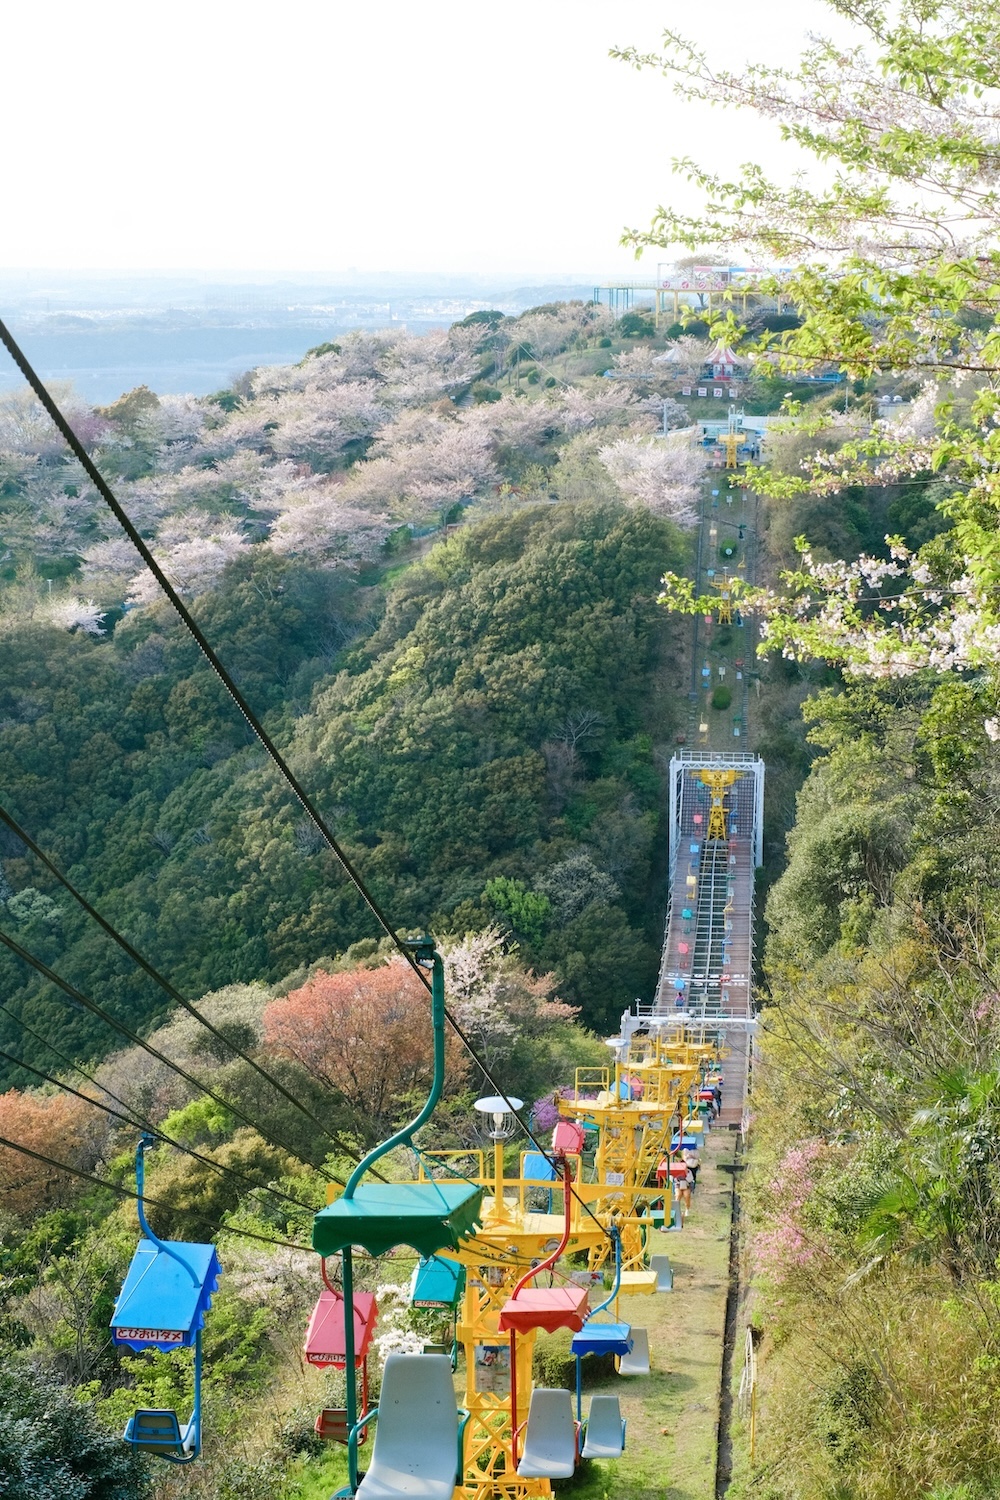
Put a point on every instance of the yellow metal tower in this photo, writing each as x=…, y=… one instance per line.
x=718, y=783
x=512, y=1237
x=724, y=585
x=731, y=441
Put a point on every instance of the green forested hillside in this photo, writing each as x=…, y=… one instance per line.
x=874, y=1234
x=442, y=750
x=440, y=593
x=474, y=714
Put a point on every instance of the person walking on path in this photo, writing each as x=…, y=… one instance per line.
x=692, y=1161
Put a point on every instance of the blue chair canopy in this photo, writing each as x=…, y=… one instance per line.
x=602, y=1338
x=538, y=1168
x=437, y=1283
x=166, y=1295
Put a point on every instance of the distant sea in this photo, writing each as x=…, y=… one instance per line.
x=187, y=334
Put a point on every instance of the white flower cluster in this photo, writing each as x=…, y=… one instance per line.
x=839, y=611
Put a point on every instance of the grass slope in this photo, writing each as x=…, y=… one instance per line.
x=673, y=1413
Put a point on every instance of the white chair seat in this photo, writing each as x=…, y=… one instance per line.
x=390, y=1484
x=549, y=1437
x=664, y=1272
x=415, y=1454
x=636, y=1363
x=605, y=1429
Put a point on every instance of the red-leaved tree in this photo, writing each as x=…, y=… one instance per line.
x=366, y=1034
x=54, y=1126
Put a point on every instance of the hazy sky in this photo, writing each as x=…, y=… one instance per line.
x=318, y=135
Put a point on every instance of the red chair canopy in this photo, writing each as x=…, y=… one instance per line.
x=325, y=1335
x=567, y=1138
x=545, y=1307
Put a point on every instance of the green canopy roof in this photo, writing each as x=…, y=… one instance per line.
x=429, y=1216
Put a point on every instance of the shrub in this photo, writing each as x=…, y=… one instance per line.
x=553, y=1365
x=52, y=1444
x=604, y=343
x=635, y=325
x=722, y=697
x=482, y=392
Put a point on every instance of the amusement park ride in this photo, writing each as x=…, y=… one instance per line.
x=504, y=1271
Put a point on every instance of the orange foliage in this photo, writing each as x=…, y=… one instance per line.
x=55, y=1125
x=367, y=1035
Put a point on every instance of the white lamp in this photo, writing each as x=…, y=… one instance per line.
x=504, y=1122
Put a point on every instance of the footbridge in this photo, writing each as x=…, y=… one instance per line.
x=716, y=845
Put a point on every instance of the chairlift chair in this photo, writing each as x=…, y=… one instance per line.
x=597, y=1337
x=550, y=1436
x=162, y=1305
x=664, y=1272
x=439, y=1283
x=429, y=1216
x=418, y=1436
x=636, y=1362
x=537, y=1167
x=530, y=1308
x=604, y=1430
x=326, y=1345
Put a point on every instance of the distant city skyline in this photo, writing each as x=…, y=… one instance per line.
x=332, y=140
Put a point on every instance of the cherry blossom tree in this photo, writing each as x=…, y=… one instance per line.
x=173, y=420
x=192, y=550
x=660, y=473
x=893, y=232
x=25, y=427
x=495, y=999
x=607, y=405
x=684, y=359
x=323, y=524
x=73, y=613
x=265, y=486
x=364, y=1034
x=549, y=330
x=318, y=422
x=450, y=460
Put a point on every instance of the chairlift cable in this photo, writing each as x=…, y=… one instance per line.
x=107, y=495
x=164, y=983
x=160, y=1135
x=124, y=1192
x=97, y=1010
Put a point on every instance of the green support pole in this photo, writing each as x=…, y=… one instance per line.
x=425, y=952
x=350, y=1373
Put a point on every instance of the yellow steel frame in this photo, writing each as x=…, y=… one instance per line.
x=731, y=442
x=633, y=1136
x=512, y=1236
x=718, y=783
x=724, y=585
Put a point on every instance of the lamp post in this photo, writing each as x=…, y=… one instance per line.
x=504, y=1125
